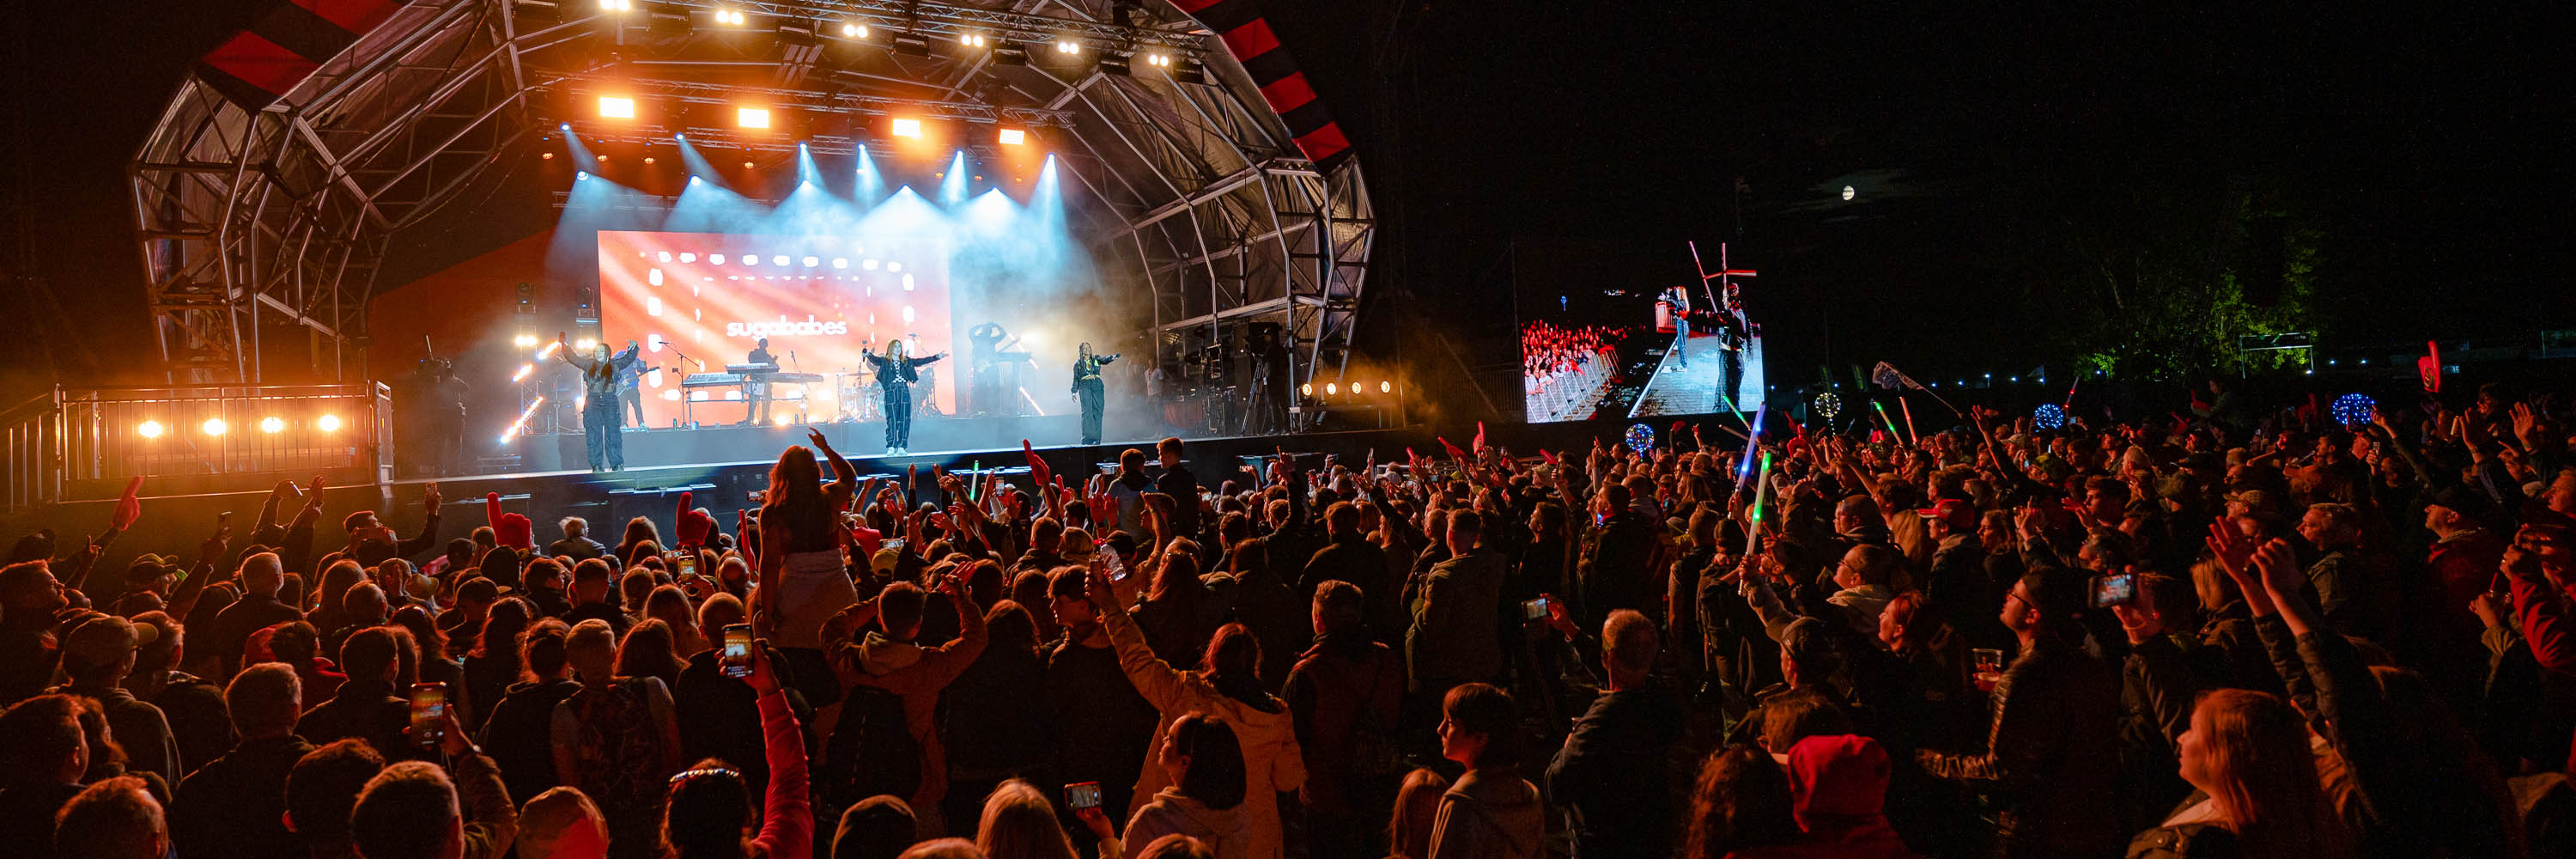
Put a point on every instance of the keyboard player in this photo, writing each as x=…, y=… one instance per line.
x=755, y=386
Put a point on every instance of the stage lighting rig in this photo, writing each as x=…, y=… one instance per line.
x=854, y=30
x=912, y=44
x=970, y=40
x=903, y=127
x=1012, y=137
x=616, y=107
x=616, y=6
x=731, y=17
x=751, y=117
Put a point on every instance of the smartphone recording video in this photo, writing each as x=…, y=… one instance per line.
x=2114, y=590
x=1534, y=609
x=736, y=658
x=686, y=563
x=1082, y=795
x=428, y=713
x=1111, y=563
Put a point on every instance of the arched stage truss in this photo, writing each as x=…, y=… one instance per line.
x=267, y=194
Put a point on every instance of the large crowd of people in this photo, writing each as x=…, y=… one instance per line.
x=1562, y=369
x=2234, y=632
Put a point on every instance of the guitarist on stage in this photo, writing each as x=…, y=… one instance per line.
x=630, y=389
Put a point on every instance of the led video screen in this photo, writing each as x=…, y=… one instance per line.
x=695, y=302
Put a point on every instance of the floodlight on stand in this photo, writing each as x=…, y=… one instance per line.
x=616, y=107
x=751, y=117
x=1013, y=137
x=907, y=128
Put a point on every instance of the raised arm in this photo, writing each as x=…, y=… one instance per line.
x=841, y=469
x=1153, y=679
x=787, y=813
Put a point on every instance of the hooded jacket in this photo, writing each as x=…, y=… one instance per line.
x=1272, y=761
x=1489, y=815
x=916, y=674
x=1839, y=787
x=1172, y=813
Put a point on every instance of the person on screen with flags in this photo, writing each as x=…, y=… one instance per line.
x=895, y=375
x=599, y=419
x=1088, y=388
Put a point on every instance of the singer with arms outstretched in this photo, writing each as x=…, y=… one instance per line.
x=895, y=375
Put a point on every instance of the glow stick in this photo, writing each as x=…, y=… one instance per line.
x=1761, y=494
x=1751, y=443
x=1908, y=409
x=1882, y=416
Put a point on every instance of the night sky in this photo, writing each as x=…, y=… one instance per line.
x=1975, y=137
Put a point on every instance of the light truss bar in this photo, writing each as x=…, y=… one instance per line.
x=692, y=92
x=939, y=19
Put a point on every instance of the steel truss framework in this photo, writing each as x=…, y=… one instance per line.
x=1196, y=201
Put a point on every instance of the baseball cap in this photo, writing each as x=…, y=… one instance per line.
x=1961, y=515
x=105, y=639
x=147, y=567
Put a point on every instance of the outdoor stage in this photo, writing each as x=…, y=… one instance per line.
x=726, y=444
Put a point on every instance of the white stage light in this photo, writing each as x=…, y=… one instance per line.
x=214, y=426
x=616, y=107
x=751, y=117
x=840, y=262
x=149, y=429
x=272, y=424
x=327, y=423
x=907, y=128
x=1014, y=137
x=811, y=262
x=854, y=30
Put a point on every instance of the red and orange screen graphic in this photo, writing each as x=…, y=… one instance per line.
x=696, y=302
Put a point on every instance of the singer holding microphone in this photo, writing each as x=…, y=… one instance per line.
x=1088, y=388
